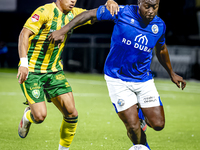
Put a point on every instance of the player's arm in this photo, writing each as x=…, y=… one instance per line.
x=22, y=50
x=59, y=35
x=163, y=57
x=112, y=6
x=79, y=19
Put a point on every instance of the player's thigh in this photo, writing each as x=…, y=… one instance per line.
x=56, y=86
x=130, y=117
x=155, y=117
x=65, y=103
x=59, y=92
x=152, y=107
x=120, y=94
x=39, y=110
x=148, y=95
x=33, y=91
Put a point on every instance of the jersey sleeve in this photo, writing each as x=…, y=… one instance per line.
x=161, y=40
x=77, y=11
x=104, y=14
x=37, y=19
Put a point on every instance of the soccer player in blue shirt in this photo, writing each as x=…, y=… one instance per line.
x=136, y=32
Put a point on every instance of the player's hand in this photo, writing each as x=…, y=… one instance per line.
x=22, y=74
x=178, y=80
x=56, y=37
x=112, y=6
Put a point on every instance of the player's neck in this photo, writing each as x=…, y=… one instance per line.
x=61, y=9
x=145, y=21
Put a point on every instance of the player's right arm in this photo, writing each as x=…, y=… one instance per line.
x=101, y=13
x=22, y=50
x=32, y=26
x=79, y=19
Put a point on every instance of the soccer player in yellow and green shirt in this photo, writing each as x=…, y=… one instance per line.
x=40, y=71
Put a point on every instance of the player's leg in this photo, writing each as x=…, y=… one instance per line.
x=152, y=107
x=143, y=123
x=36, y=112
x=155, y=117
x=65, y=103
x=59, y=92
x=125, y=103
x=131, y=121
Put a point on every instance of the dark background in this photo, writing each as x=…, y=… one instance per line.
x=179, y=16
x=182, y=31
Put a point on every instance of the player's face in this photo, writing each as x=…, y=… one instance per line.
x=148, y=9
x=67, y=5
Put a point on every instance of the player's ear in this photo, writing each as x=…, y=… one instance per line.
x=139, y=2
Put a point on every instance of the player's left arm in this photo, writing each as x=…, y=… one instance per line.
x=163, y=57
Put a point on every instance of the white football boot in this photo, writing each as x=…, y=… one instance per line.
x=24, y=125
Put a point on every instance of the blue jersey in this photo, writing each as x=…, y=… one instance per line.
x=132, y=43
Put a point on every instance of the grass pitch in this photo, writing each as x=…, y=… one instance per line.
x=99, y=127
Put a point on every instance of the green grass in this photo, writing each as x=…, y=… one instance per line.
x=99, y=127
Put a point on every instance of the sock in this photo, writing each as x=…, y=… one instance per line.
x=144, y=139
x=147, y=145
x=140, y=114
x=62, y=148
x=28, y=116
x=67, y=131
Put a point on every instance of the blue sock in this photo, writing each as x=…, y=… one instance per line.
x=140, y=114
x=147, y=145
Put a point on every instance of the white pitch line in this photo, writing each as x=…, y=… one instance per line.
x=90, y=95
x=167, y=87
x=11, y=93
x=83, y=81
x=75, y=94
x=193, y=89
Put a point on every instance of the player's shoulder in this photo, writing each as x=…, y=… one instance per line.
x=133, y=8
x=158, y=20
x=49, y=5
x=128, y=9
x=158, y=24
x=43, y=12
x=46, y=7
x=77, y=10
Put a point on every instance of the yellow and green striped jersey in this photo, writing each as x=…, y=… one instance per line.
x=44, y=56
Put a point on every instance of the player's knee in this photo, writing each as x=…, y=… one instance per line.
x=132, y=128
x=158, y=125
x=71, y=112
x=39, y=118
